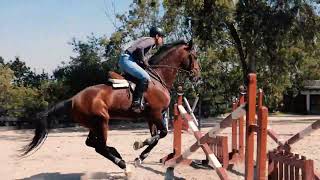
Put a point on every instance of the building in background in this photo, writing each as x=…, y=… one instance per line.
x=312, y=96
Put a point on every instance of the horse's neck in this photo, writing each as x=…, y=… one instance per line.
x=168, y=70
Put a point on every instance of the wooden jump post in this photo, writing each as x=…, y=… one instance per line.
x=177, y=157
x=282, y=163
x=204, y=140
x=237, y=135
x=251, y=128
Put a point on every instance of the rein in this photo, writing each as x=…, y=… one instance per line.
x=171, y=67
x=156, y=75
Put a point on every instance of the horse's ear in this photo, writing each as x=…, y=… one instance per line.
x=190, y=45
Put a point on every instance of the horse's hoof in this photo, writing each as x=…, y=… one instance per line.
x=137, y=162
x=169, y=174
x=129, y=171
x=137, y=145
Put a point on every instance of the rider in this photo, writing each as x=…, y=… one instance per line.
x=134, y=58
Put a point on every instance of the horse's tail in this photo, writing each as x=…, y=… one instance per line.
x=43, y=122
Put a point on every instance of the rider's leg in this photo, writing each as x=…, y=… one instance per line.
x=141, y=87
x=128, y=65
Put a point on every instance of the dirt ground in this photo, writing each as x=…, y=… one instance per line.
x=65, y=156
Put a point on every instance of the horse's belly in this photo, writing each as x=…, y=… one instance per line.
x=124, y=115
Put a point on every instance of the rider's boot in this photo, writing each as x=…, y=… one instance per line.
x=137, y=104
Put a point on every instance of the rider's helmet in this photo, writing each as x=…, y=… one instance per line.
x=156, y=31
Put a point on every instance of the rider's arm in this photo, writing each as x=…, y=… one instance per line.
x=140, y=47
x=140, y=56
x=143, y=48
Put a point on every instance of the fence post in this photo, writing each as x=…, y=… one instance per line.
x=262, y=142
x=234, y=132
x=250, y=119
x=241, y=130
x=177, y=124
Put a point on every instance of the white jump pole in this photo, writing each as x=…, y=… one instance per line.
x=190, y=111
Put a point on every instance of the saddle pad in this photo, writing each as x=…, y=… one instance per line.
x=122, y=83
x=118, y=81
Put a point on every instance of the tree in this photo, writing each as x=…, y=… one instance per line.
x=17, y=101
x=263, y=33
x=86, y=69
x=1, y=61
x=24, y=76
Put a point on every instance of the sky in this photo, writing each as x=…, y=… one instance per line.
x=38, y=31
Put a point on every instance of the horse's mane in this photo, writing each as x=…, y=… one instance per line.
x=163, y=51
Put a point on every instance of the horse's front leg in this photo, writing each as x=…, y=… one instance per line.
x=158, y=130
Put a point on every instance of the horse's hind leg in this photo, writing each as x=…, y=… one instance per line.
x=101, y=147
x=91, y=139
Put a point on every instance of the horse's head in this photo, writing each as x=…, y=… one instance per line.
x=176, y=56
x=190, y=63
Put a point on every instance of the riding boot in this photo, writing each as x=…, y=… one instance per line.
x=137, y=104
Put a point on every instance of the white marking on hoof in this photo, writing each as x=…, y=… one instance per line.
x=137, y=162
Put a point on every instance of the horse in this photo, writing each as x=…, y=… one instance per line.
x=95, y=106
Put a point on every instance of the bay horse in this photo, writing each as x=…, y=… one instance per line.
x=94, y=106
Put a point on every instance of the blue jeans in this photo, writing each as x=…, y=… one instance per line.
x=128, y=65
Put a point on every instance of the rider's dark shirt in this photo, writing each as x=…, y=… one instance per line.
x=140, y=48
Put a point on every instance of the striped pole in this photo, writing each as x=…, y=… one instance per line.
x=239, y=112
x=195, y=103
x=198, y=135
x=308, y=130
x=274, y=136
x=227, y=122
x=190, y=111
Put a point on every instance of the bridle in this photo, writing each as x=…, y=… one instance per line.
x=189, y=72
x=184, y=70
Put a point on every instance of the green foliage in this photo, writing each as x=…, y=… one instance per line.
x=17, y=101
x=86, y=69
x=275, y=38
x=23, y=76
x=1, y=60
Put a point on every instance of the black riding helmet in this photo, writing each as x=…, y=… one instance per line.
x=156, y=31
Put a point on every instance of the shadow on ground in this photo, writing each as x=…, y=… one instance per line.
x=76, y=176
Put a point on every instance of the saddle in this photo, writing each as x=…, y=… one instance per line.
x=119, y=81
x=123, y=82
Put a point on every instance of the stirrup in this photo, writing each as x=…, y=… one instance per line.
x=137, y=108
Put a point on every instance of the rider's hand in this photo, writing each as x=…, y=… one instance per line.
x=147, y=64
